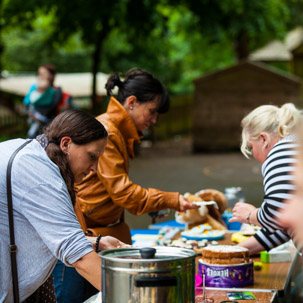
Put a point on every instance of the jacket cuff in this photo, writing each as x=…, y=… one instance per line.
x=172, y=200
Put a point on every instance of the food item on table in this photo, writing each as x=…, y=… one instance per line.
x=203, y=231
x=238, y=237
x=249, y=229
x=226, y=266
x=258, y=265
x=196, y=238
x=225, y=254
x=190, y=244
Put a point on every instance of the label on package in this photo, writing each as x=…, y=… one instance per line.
x=227, y=275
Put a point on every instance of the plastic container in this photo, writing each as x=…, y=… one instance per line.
x=230, y=225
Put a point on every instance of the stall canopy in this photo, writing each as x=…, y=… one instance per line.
x=280, y=50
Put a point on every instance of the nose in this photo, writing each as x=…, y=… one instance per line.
x=94, y=166
x=155, y=118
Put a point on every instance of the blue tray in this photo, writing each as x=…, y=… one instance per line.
x=204, y=237
x=171, y=223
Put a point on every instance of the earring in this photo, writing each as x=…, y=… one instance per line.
x=131, y=108
x=67, y=154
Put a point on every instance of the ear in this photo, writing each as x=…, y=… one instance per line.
x=264, y=138
x=130, y=102
x=65, y=143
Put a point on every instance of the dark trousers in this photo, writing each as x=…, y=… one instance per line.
x=70, y=286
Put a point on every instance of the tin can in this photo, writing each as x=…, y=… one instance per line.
x=234, y=275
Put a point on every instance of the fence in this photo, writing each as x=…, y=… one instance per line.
x=12, y=126
x=177, y=121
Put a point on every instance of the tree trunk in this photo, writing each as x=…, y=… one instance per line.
x=241, y=46
x=96, y=62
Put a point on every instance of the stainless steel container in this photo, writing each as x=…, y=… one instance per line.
x=132, y=275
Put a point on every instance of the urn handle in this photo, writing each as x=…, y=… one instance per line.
x=155, y=281
x=147, y=252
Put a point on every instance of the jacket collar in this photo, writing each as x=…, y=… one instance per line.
x=124, y=123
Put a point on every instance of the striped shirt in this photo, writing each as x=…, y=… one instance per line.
x=277, y=171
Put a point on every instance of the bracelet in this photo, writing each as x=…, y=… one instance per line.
x=97, y=242
x=248, y=217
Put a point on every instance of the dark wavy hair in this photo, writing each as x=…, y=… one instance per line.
x=141, y=84
x=83, y=128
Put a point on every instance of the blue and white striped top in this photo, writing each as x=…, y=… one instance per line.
x=278, y=173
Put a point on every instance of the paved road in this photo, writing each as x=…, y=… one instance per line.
x=171, y=166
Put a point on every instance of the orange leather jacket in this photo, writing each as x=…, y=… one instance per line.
x=104, y=195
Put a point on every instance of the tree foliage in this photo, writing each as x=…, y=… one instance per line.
x=247, y=24
x=177, y=40
x=93, y=19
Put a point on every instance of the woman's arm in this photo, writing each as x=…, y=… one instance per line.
x=252, y=245
x=113, y=175
x=89, y=267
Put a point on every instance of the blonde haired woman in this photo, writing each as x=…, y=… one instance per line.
x=268, y=133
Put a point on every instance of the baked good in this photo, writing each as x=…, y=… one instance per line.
x=203, y=231
x=225, y=254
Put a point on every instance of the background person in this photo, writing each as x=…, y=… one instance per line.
x=104, y=195
x=44, y=101
x=46, y=227
x=269, y=135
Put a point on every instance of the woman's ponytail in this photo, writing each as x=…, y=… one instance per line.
x=112, y=82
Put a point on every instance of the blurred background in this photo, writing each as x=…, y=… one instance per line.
x=219, y=59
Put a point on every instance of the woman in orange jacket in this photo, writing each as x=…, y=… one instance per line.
x=104, y=195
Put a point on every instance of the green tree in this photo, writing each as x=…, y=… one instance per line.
x=248, y=24
x=177, y=40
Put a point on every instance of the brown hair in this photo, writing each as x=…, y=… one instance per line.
x=83, y=128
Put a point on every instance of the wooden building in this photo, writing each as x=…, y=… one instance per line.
x=224, y=97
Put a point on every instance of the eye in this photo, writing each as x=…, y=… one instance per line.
x=152, y=112
x=93, y=157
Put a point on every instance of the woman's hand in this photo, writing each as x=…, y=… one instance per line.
x=109, y=242
x=185, y=204
x=241, y=211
